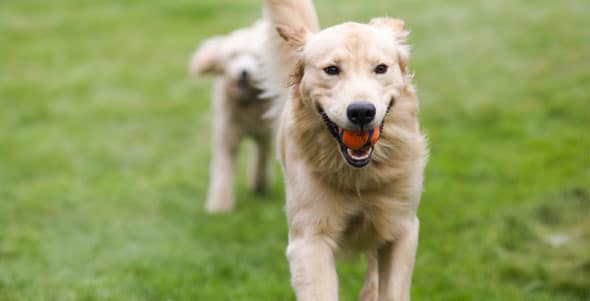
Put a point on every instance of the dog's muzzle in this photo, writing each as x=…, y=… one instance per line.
x=360, y=155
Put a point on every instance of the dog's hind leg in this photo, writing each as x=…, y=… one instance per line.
x=261, y=164
x=370, y=290
x=396, y=264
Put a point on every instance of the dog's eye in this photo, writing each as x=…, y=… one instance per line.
x=332, y=70
x=382, y=68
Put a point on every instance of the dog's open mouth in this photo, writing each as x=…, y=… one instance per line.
x=358, y=157
x=355, y=147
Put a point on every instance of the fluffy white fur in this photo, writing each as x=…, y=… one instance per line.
x=238, y=109
x=331, y=205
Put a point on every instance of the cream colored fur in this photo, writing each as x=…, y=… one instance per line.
x=332, y=206
x=237, y=110
x=278, y=55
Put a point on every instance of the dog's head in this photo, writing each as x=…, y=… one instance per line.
x=235, y=56
x=352, y=75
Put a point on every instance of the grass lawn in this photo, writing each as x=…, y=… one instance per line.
x=104, y=154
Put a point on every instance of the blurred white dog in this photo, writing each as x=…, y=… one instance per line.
x=238, y=110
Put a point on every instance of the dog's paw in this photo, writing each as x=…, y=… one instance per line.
x=219, y=206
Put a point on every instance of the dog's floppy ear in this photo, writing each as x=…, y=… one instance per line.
x=397, y=28
x=208, y=59
x=295, y=37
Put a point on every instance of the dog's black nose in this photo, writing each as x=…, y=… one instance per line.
x=244, y=74
x=361, y=113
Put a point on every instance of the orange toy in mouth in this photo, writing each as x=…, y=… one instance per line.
x=359, y=139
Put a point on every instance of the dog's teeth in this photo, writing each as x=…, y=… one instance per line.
x=352, y=154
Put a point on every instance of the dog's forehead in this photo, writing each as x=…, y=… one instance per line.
x=352, y=38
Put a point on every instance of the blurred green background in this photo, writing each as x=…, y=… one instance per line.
x=104, y=153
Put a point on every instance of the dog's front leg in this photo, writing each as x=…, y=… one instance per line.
x=226, y=140
x=396, y=264
x=313, y=272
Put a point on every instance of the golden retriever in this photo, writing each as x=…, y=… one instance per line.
x=346, y=79
x=238, y=110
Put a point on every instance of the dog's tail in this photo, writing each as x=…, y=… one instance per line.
x=280, y=58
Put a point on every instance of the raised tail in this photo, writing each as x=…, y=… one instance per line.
x=280, y=58
x=292, y=13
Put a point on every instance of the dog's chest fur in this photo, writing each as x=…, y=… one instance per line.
x=360, y=231
x=373, y=221
x=250, y=116
x=245, y=109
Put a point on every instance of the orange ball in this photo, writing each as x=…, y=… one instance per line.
x=357, y=139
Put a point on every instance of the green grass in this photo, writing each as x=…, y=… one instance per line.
x=104, y=153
